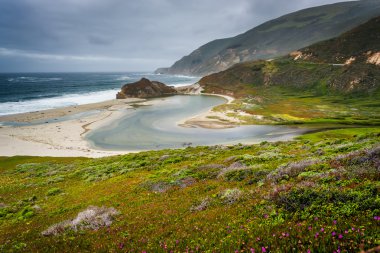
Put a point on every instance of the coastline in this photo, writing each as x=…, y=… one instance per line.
x=65, y=138
x=61, y=138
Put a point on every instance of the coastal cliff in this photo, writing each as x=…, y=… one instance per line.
x=276, y=38
x=348, y=64
x=145, y=89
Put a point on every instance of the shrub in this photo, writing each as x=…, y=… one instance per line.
x=230, y=196
x=207, y=171
x=92, y=218
x=290, y=170
x=53, y=191
x=203, y=205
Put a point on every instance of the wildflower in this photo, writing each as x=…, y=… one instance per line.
x=353, y=229
x=316, y=218
x=310, y=228
x=308, y=251
x=322, y=229
x=333, y=233
x=266, y=216
x=316, y=235
x=263, y=249
x=346, y=231
x=340, y=236
x=335, y=222
x=252, y=250
x=121, y=245
x=376, y=218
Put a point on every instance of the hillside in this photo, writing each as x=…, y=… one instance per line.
x=277, y=37
x=359, y=45
x=346, y=64
x=311, y=84
x=316, y=194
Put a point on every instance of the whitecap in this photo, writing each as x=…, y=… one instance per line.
x=123, y=78
x=56, y=102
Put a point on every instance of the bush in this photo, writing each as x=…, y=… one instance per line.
x=230, y=196
x=53, y=192
x=290, y=170
x=92, y=218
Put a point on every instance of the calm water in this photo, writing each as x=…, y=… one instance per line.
x=26, y=92
x=156, y=127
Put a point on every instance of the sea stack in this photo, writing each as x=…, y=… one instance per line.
x=145, y=89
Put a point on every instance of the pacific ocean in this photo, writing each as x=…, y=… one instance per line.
x=26, y=92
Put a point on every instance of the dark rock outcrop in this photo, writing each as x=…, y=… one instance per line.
x=145, y=89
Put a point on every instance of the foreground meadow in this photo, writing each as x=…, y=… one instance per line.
x=319, y=193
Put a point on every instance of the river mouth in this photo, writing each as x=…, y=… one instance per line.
x=157, y=127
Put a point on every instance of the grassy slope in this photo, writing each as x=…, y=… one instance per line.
x=311, y=89
x=288, y=92
x=158, y=194
x=355, y=43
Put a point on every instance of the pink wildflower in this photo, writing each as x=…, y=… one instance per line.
x=263, y=249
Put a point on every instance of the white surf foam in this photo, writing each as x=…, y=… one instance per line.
x=123, y=78
x=33, y=79
x=56, y=102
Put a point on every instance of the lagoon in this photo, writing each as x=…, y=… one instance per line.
x=157, y=126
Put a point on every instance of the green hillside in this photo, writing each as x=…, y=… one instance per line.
x=319, y=194
x=310, y=85
x=277, y=37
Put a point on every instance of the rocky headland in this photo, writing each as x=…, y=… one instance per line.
x=145, y=89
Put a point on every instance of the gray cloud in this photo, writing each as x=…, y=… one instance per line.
x=119, y=35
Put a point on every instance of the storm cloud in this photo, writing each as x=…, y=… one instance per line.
x=119, y=35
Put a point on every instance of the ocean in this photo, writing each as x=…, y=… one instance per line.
x=27, y=92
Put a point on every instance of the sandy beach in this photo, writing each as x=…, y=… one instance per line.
x=65, y=138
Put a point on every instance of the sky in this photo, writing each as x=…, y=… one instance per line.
x=122, y=35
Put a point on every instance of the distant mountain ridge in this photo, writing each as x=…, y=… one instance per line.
x=277, y=37
x=348, y=64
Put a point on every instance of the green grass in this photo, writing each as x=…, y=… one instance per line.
x=283, y=196
x=289, y=106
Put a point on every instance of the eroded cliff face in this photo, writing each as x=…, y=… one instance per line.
x=347, y=64
x=145, y=89
x=276, y=38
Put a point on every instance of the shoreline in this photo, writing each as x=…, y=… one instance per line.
x=62, y=138
x=47, y=135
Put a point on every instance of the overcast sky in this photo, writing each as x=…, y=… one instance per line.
x=122, y=35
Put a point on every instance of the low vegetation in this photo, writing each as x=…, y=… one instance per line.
x=319, y=193
x=291, y=106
